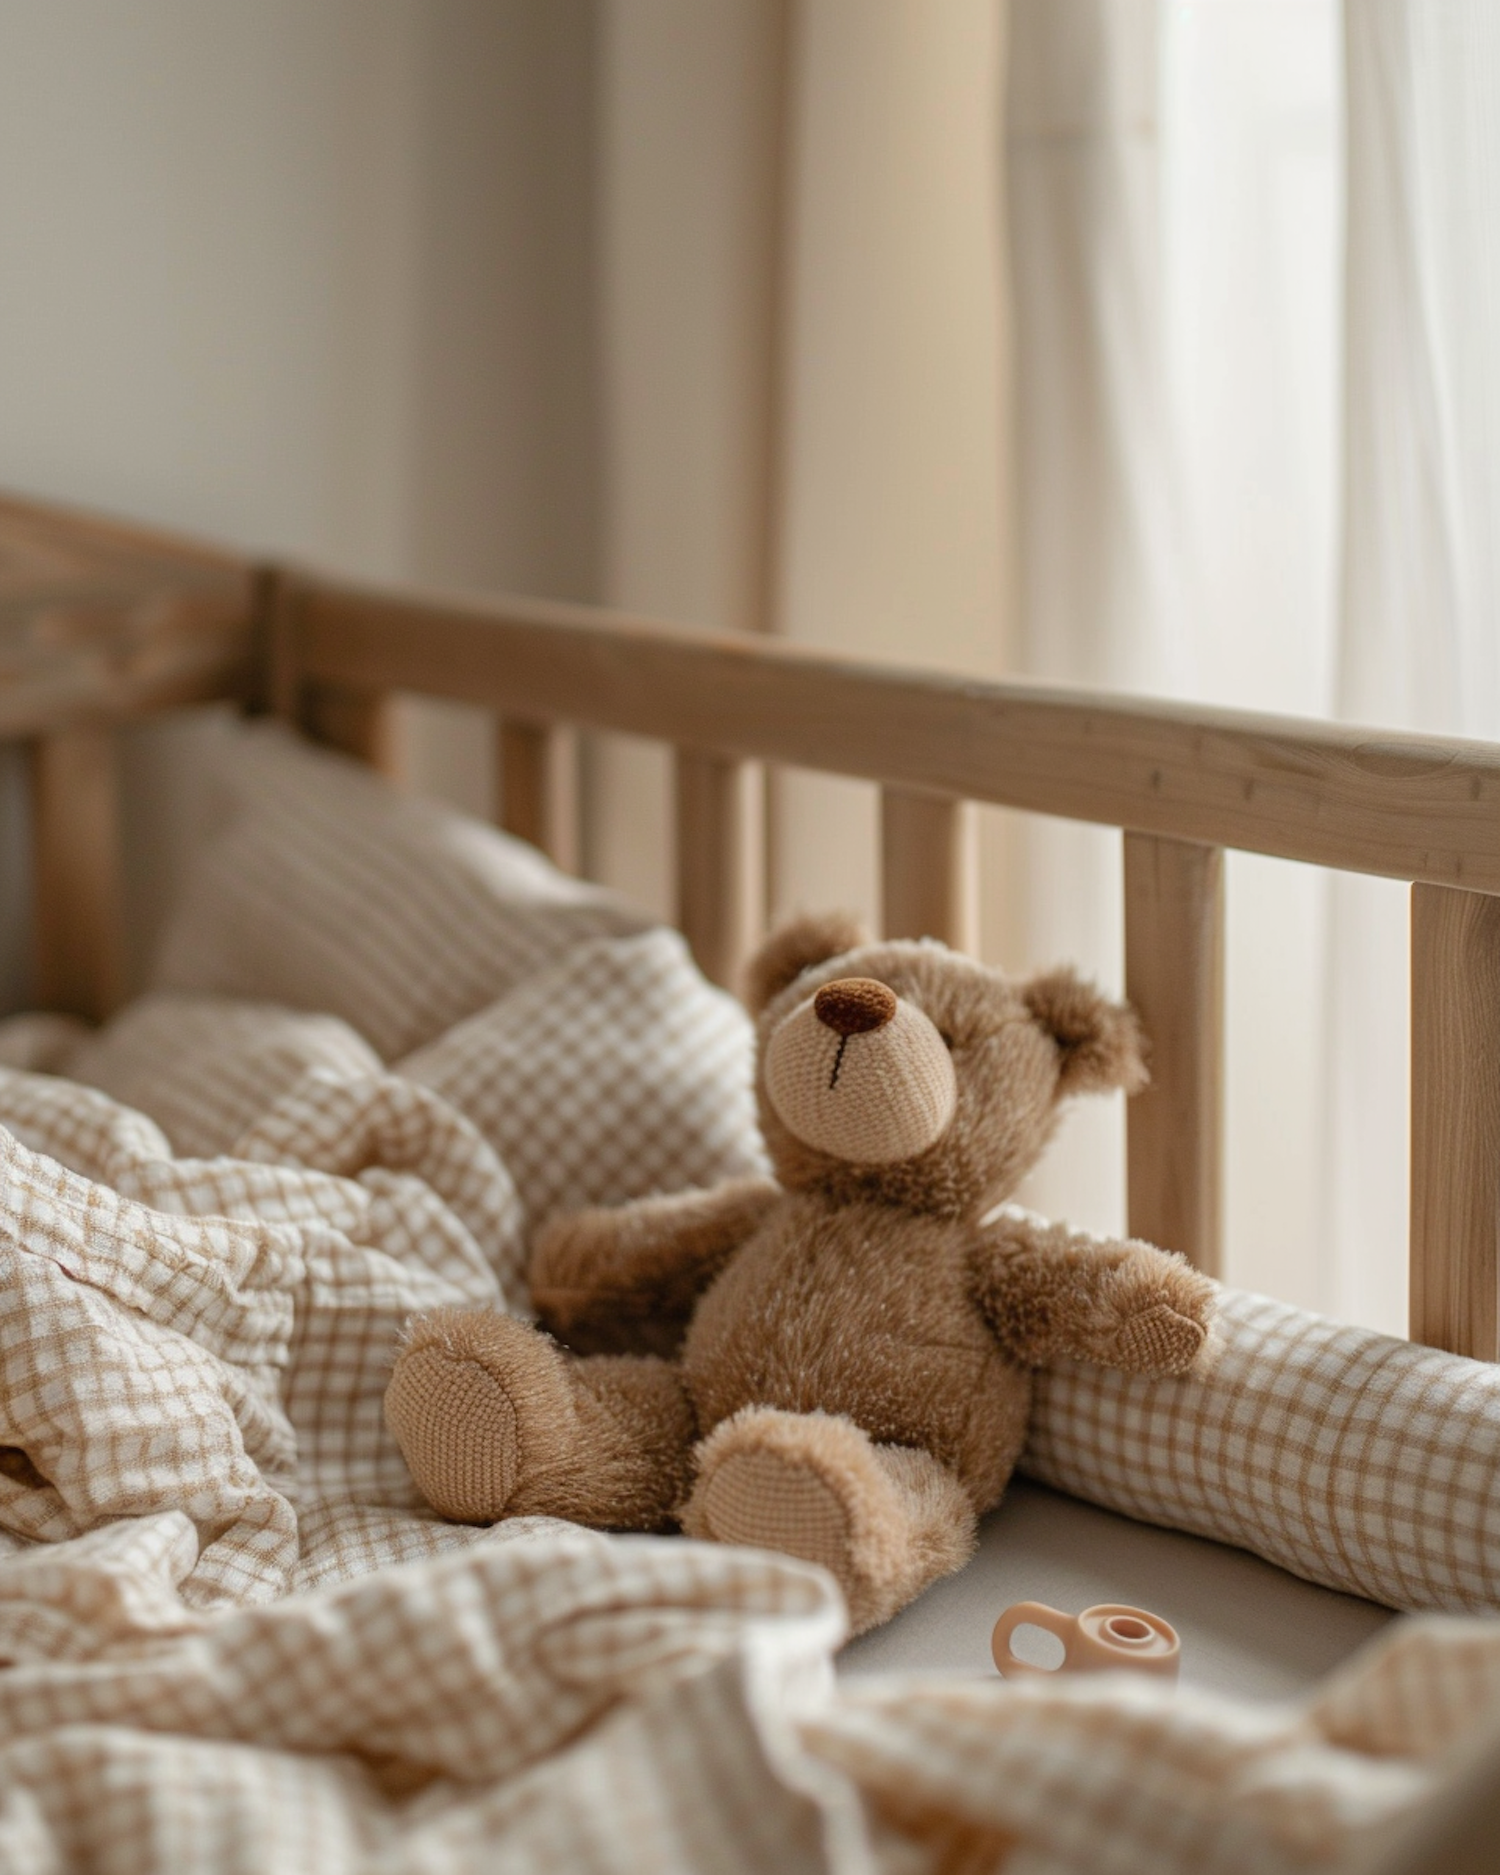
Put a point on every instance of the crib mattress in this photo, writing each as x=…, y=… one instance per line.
x=1248, y=1628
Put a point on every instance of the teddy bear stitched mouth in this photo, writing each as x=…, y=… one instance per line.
x=852, y=1006
x=857, y=1072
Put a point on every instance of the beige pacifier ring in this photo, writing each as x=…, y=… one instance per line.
x=1107, y=1636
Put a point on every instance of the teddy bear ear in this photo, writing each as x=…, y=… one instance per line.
x=795, y=947
x=1101, y=1043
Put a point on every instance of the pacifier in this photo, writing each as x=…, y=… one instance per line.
x=1105, y=1636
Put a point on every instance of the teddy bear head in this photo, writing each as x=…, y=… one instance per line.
x=904, y=1073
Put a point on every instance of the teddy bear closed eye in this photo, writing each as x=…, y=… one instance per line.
x=836, y=1363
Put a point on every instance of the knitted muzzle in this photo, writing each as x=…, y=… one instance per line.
x=856, y=1072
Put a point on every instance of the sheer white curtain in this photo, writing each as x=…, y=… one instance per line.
x=1258, y=367
x=1419, y=621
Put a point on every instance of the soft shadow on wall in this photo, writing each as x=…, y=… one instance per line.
x=311, y=280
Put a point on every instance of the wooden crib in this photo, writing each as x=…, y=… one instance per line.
x=104, y=623
x=101, y=624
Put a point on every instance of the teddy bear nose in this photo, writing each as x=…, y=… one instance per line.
x=854, y=1005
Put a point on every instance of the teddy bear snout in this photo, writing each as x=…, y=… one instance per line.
x=854, y=1005
x=857, y=1072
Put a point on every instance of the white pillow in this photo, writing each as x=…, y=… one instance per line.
x=321, y=887
x=616, y=1073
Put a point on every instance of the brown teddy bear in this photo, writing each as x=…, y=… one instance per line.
x=836, y=1364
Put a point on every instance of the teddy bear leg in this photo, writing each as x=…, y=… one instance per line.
x=495, y=1420
x=886, y=1520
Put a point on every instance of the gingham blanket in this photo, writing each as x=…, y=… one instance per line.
x=235, y=1640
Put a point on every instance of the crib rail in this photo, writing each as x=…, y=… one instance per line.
x=99, y=623
x=1182, y=782
x=1411, y=807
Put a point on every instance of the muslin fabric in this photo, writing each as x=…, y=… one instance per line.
x=235, y=1641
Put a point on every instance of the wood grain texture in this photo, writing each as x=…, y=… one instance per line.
x=99, y=620
x=1412, y=807
x=536, y=765
x=929, y=867
x=1174, y=978
x=78, y=903
x=721, y=862
x=1455, y=1140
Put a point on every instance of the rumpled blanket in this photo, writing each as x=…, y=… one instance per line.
x=235, y=1640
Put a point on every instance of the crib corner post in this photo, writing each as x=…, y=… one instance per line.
x=363, y=723
x=1174, y=978
x=78, y=918
x=1455, y=1121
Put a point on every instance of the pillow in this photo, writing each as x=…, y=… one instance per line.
x=323, y=888
x=1352, y=1459
x=615, y=1073
x=205, y=1067
x=40, y=1042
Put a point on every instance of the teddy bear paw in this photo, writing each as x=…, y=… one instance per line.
x=884, y=1521
x=1159, y=1341
x=451, y=1409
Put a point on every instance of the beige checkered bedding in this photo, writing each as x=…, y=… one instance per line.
x=237, y=1642
x=323, y=889
x=233, y=1637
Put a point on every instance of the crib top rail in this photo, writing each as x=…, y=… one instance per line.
x=1411, y=807
x=100, y=621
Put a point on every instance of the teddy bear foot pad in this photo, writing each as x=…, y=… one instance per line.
x=885, y=1521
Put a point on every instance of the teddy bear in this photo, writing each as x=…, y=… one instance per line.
x=835, y=1363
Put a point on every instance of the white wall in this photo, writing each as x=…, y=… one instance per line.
x=204, y=209
x=688, y=177
x=312, y=278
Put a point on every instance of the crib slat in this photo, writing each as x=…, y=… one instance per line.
x=720, y=861
x=1455, y=1120
x=78, y=914
x=537, y=767
x=1174, y=977
x=928, y=867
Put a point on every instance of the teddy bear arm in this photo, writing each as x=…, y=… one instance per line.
x=626, y=1279
x=1051, y=1293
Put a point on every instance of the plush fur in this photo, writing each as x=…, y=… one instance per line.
x=838, y=1363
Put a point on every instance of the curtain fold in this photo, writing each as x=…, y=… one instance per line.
x=1172, y=179
x=1257, y=256
x=1419, y=610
